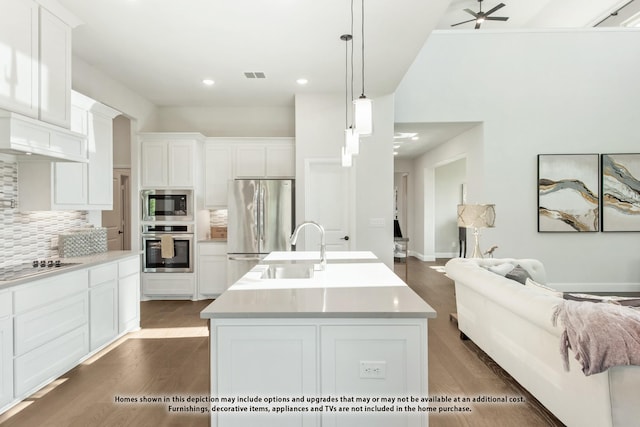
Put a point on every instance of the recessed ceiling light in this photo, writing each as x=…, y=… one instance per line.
x=415, y=138
x=395, y=153
x=302, y=81
x=208, y=82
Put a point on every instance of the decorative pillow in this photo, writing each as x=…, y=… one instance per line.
x=518, y=274
x=501, y=269
x=531, y=284
x=626, y=301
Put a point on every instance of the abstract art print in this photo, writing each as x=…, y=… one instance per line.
x=568, y=192
x=620, y=192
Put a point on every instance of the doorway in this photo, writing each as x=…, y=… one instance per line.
x=118, y=221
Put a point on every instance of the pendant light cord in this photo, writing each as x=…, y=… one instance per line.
x=352, y=73
x=362, y=22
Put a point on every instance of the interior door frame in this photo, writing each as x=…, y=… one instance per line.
x=351, y=186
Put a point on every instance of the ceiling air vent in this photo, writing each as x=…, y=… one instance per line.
x=254, y=75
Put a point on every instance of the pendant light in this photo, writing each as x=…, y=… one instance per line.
x=351, y=139
x=363, y=106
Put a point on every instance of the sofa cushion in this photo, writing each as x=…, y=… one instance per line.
x=519, y=274
x=531, y=284
x=501, y=269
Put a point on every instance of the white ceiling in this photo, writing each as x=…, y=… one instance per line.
x=162, y=49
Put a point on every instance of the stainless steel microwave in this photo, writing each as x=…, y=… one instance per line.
x=167, y=205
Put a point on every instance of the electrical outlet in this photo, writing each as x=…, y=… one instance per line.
x=376, y=222
x=373, y=369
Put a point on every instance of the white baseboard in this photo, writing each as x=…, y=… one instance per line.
x=595, y=287
x=446, y=254
x=420, y=256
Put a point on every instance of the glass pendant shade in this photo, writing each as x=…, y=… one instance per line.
x=352, y=141
x=363, y=112
x=346, y=158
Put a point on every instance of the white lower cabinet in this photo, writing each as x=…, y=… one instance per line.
x=49, y=325
x=129, y=294
x=345, y=357
x=103, y=304
x=6, y=349
x=168, y=285
x=212, y=268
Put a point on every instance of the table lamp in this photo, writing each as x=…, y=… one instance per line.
x=476, y=217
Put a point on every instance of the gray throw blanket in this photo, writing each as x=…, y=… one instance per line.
x=601, y=335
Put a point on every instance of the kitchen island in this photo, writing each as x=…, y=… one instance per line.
x=292, y=345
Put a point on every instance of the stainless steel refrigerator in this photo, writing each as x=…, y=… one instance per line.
x=260, y=220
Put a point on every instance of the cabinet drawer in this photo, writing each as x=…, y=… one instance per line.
x=50, y=360
x=5, y=303
x=45, y=291
x=102, y=274
x=129, y=267
x=45, y=324
x=213, y=248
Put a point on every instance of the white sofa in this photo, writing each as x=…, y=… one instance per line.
x=512, y=324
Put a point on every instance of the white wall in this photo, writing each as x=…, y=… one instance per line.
x=92, y=82
x=468, y=146
x=319, y=121
x=228, y=121
x=536, y=92
x=448, y=195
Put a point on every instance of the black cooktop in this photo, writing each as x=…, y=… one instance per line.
x=30, y=269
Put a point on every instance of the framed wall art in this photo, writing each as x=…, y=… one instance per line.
x=620, y=192
x=568, y=192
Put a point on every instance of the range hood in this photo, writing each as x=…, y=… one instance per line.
x=23, y=136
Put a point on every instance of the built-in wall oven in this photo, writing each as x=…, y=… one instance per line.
x=167, y=205
x=168, y=248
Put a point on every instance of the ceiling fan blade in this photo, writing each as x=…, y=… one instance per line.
x=463, y=22
x=490, y=11
x=471, y=12
x=496, y=18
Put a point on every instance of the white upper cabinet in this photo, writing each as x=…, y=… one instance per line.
x=230, y=158
x=169, y=160
x=69, y=185
x=218, y=165
x=268, y=158
x=19, y=57
x=55, y=69
x=35, y=61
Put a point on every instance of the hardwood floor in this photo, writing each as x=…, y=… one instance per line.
x=169, y=357
x=460, y=368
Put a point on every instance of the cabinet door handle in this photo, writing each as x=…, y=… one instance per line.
x=344, y=238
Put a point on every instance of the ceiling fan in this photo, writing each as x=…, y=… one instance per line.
x=480, y=16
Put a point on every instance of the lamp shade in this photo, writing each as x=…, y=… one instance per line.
x=476, y=216
x=352, y=141
x=363, y=111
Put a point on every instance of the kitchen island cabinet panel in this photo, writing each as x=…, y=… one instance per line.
x=266, y=360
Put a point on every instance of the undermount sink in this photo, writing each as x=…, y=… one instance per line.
x=288, y=271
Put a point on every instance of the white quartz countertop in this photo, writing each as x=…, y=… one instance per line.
x=355, y=284
x=80, y=263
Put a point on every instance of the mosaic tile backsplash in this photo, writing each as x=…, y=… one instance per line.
x=26, y=236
